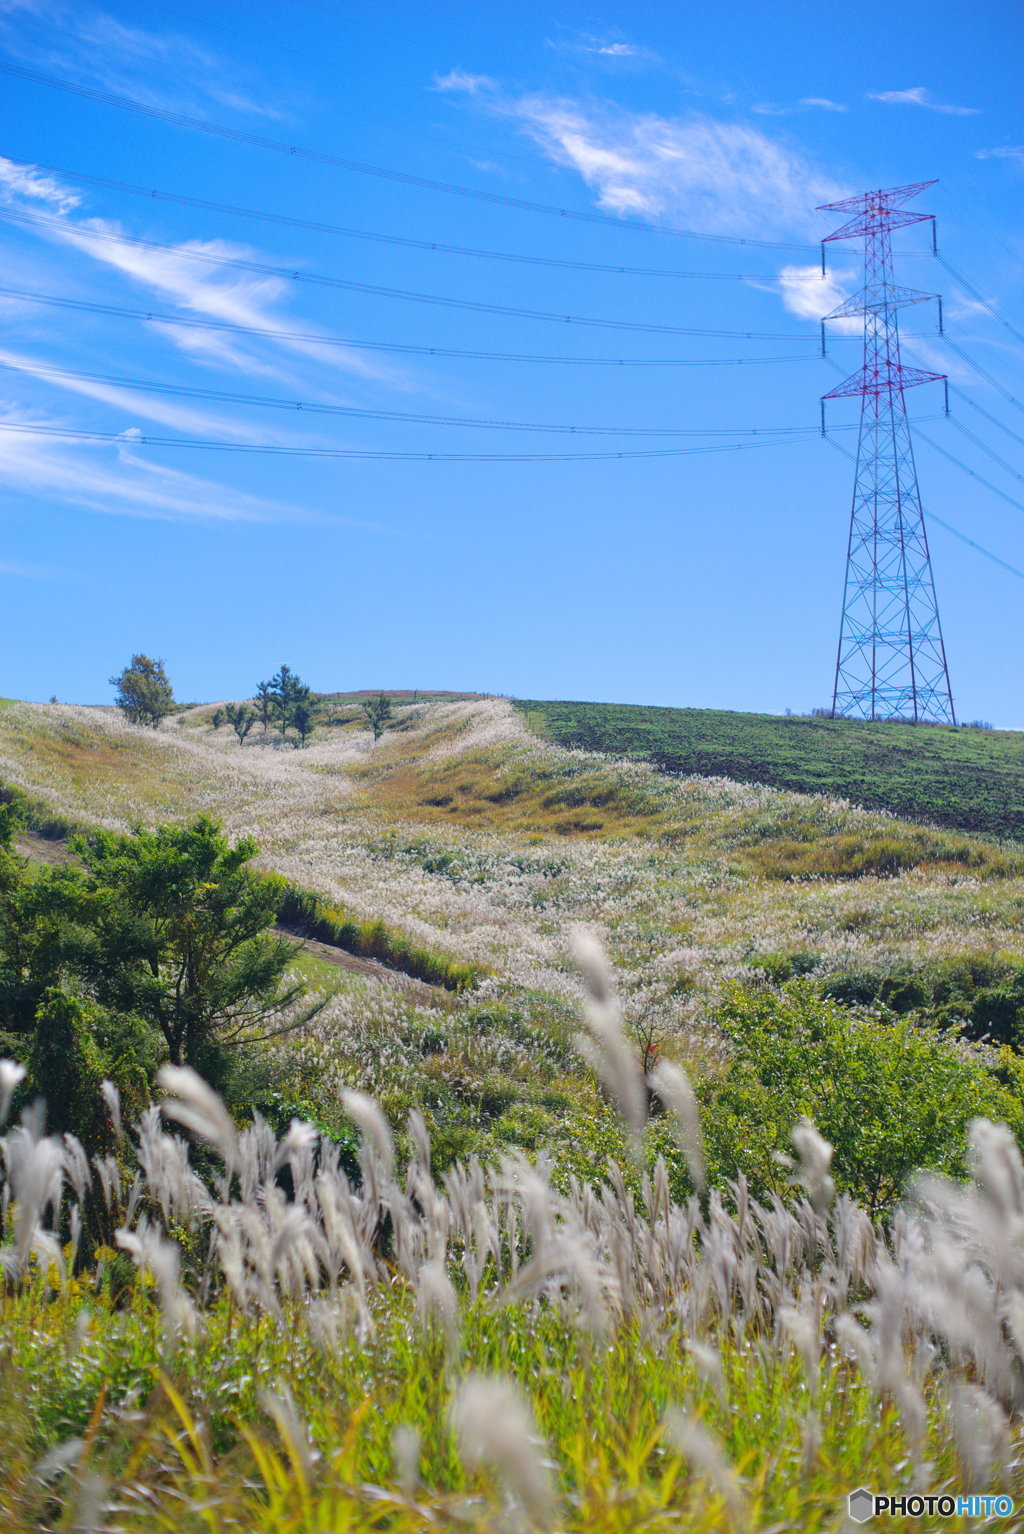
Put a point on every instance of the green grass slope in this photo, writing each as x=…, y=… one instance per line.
x=971, y=779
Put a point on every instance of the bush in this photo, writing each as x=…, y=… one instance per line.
x=892, y=1096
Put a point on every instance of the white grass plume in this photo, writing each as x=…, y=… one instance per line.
x=605, y=1045
x=496, y=1431
x=196, y=1106
x=672, y=1085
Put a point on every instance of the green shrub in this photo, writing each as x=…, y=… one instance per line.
x=983, y=994
x=890, y=1095
x=66, y=1068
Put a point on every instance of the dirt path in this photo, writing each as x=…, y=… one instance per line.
x=394, y=979
x=40, y=849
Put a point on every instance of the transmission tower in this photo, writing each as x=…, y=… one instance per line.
x=891, y=662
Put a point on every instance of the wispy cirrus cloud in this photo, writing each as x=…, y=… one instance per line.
x=805, y=104
x=612, y=48
x=116, y=480
x=810, y=296
x=720, y=176
x=920, y=96
x=165, y=68
x=1004, y=152
x=200, y=287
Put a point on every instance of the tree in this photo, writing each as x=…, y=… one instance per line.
x=378, y=712
x=217, y=718
x=173, y=926
x=304, y=720
x=264, y=702
x=241, y=718
x=144, y=694
x=286, y=692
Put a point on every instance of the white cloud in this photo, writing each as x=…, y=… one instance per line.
x=197, y=287
x=722, y=177
x=920, y=96
x=90, y=45
x=810, y=296
x=459, y=80
x=140, y=403
x=112, y=479
x=28, y=572
x=26, y=181
x=822, y=104
x=1005, y=152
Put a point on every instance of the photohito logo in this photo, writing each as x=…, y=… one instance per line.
x=864, y=1504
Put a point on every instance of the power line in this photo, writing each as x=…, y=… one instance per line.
x=313, y=408
x=280, y=146
x=150, y=316
x=973, y=291
x=932, y=517
x=292, y=222
x=983, y=373
x=146, y=439
x=996, y=458
x=962, y=394
x=83, y=235
x=972, y=472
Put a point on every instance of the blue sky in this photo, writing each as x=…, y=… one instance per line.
x=705, y=578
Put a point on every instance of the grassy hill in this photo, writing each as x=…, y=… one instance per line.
x=509, y=1309
x=970, y=779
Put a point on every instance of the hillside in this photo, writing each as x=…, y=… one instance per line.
x=295, y=1347
x=464, y=835
x=968, y=778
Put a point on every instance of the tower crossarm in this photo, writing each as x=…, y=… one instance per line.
x=882, y=380
x=872, y=300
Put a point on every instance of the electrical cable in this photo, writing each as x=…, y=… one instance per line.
x=953, y=459
x=955, y=347
x=292, y=222
x=359, y=412
x=280, y=146
x=146, y=439
x=972, y=472
x=994, y=419
x=83, y=235
x=979, y=298
x=932, y=517
x=973, y=437
x=151, y=316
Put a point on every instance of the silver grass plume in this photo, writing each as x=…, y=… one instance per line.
x=604, y=1045
x=496, y=1431
x=814, y=1157
x=367, y=1114
x=672, y=1085
x=706, y=1457
x=194, y=1104
x=11, y=1076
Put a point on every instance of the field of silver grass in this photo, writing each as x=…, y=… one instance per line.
x=682, y=911
x=301, y=1350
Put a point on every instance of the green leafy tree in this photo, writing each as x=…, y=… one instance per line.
x=217, y=718
x=286, y=691
x=67, y=1067
x=144, y=694
x=173, y=926
x=304, y=720
x=241, y=718
x=378, y=712
x=264, y=705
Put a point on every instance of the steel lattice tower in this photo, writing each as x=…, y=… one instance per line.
x=891, y=662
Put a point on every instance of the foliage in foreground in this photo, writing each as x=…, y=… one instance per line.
x=271, y=1346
